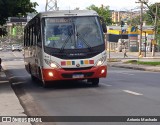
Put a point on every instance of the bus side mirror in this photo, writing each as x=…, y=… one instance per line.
x=103, y=25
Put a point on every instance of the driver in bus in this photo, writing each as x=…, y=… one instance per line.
x=52, y=37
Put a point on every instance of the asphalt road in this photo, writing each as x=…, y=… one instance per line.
x=124, y=92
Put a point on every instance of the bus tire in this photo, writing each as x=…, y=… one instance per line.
x=94, y=81
x=45, y=84
x=39, y=73
x=29, y=69
x=33, y=78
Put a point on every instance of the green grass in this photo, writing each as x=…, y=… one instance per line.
x=149, y=63
x=113, y=60
x=131, y=61
x=143, y=62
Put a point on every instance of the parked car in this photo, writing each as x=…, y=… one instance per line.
x=16, y=47
x=1, y=48
x=8, y=47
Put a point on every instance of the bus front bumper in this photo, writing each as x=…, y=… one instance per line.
x=61, y=74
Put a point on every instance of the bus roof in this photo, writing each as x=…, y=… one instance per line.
x=63, y=13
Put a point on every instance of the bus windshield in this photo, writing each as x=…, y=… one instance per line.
x=72, y=32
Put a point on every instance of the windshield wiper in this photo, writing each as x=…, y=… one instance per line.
x=80, y=37
x=65, y=42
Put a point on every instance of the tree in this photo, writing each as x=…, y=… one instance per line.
x=3, y=31
x=151, y=14
x=152, y=9
x=102, y=11
x=12, y=8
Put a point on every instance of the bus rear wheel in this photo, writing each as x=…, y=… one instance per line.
x=94, y=81
x=33, y=78
x=45, y=84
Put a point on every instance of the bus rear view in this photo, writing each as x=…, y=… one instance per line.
x=72, y=47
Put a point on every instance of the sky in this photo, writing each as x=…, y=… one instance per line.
x=82, y=4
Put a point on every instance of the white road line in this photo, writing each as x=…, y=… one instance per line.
x=131, y=92
x=105, y=84
x=14, y=54
x=126, y=73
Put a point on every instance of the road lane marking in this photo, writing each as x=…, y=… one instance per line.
x=131, y=92
x=14, y=54
x=126, y=73
x=105, y=84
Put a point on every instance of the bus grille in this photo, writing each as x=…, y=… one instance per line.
x=87, y=74
x=82, y=68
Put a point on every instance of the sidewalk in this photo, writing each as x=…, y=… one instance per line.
x=134, y=56
x=9, y=103
x=134, y=66
x=121, y=64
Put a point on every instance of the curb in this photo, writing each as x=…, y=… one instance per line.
x=136, y=67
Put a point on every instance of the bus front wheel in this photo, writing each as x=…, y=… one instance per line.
x=94, y=81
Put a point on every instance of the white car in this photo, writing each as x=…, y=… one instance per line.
x=8, y=48
x=16, y=47
x=1, y=48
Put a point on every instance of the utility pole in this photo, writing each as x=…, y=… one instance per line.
x=155, y=31
x=141, y=24
x=51, y=5
x=141, y=29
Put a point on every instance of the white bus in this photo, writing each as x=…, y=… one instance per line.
x=65, y=45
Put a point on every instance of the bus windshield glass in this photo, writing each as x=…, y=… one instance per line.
x=72, y=32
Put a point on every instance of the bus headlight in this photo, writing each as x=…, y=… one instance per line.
x=50, y=74
x=101, y=61
x=52, y=64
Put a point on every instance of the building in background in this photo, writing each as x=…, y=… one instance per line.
x=117, y=16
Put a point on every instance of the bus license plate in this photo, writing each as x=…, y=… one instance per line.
x=77, y=76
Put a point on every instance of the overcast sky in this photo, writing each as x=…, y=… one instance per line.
x=82, y=4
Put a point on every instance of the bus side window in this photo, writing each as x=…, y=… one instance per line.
x=31, y=36
x=34, y=36
x=38, y=33
x=39, y=42
x=27, y=37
